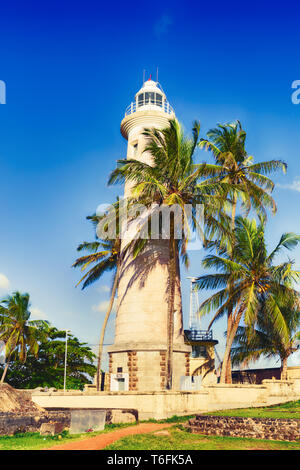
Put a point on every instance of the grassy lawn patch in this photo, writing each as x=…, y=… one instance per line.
x=283, y=411
x=34, y=441
x=179, y=439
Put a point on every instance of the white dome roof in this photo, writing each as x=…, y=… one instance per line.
x=151, y=86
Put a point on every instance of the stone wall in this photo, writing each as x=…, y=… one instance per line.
x=257, y=428
x=12, y=423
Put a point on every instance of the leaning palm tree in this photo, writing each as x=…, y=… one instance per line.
x=17, y=331
x=266, y=340
x=249, y=281
x=104, y=256
x=172, y=179
x=251, y=184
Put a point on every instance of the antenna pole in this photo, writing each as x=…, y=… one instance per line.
x=157, y=74
x=144, y=76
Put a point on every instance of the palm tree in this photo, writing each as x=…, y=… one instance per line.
x=266, y=340
x=171, y=179
x=104, y=256
x=17, y=331
x=249, y=280
x=251, y=185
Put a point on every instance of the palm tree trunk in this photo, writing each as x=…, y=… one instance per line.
x=233, y=213
x=170, y=320
x=229, y=341
x=4, y=372
x=100, y=351
x=228, y=378
x=228, y=373
x=283, y=375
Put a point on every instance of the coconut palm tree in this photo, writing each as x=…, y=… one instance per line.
x=266, y=340
x=171, y=179
x=251, y=184
x=104, y=256
x=249, y=281
x=17, y=331
x=234, y=165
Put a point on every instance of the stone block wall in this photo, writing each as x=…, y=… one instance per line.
x=257, y=428
x=12, y=423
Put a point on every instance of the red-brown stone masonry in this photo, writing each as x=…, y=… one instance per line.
x=187, y=364
x=110, y=366
x=163, y=368
x=132, y=369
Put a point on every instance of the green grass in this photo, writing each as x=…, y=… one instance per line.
x=174, y=419
x=180, y=439
x=283, y=411
x=34, y=441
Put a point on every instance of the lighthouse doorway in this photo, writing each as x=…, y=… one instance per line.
x=119, y=383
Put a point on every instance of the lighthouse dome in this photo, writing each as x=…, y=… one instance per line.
x=151, y=86
x=150, y=97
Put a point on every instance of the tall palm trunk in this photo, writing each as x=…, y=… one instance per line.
x=228, y=372
x=111, y=302
x=170, y=320
x=227, y=376
x=230, y=337
x=283, y=375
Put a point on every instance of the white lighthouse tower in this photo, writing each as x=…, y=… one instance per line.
x=137, y=359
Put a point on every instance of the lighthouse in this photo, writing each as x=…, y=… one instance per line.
x=137, y=359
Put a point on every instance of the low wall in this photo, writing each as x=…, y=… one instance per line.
x=255, y=428
x=12, y=423
x=162, y=405
x=157, y=405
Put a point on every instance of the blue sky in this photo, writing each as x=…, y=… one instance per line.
x=71, y=69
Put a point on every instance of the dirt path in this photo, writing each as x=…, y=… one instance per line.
x=103, y=440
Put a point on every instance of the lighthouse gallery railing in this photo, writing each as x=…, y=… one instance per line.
x=133, y=107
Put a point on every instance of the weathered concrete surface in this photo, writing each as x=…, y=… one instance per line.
x=87, y=420
x=12, y=423
x=51, y=429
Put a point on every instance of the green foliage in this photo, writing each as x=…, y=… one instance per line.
x=233, y=165
x=266, y=339
x=47, y=369
x=256, y=282
x=17, y=331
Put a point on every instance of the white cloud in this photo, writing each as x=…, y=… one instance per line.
x=103, y=288
x=37, y=314
x=294, y=186
x=162, y=25
x=103, y=306
x=4, y=282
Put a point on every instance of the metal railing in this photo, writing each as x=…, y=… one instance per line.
x=199, y=335
x=134, y=106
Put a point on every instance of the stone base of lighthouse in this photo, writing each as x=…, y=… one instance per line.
x=142, y=366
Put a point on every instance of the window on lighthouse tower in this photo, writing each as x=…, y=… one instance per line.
x=149, y=98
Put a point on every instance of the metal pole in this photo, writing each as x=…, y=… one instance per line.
x=66, y=353
x=191, y=305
